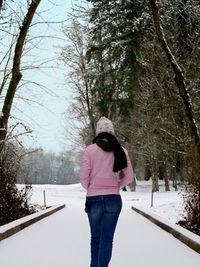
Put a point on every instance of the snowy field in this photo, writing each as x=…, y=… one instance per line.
x=63, y=239
x=168, y=205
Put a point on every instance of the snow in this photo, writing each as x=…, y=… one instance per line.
x=180, y=229
x=25, y=219
x=63, y=238
x=168, y=205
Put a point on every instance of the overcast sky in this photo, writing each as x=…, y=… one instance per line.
x=45, y=113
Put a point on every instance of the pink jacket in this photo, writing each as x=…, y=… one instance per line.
x=96, y=174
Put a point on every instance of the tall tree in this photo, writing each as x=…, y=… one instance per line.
x=16, y=72
x=179, y=79
x=116, y=29
x=133, y=84
x=114, y=46
x=80, y=72
x=192, y=199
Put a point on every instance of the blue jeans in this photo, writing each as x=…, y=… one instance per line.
x=103, y=213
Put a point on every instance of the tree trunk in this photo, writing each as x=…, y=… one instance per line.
x=154, y=177
x=179, y=79
x=16, y=74
x=155, y=185
x=175, y=177
x=147, y=173
x=1, y=4
x=89, y=110
x=166, y=179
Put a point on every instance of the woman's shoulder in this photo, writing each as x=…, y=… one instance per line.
x=90, y=148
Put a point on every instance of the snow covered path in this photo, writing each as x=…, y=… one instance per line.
x=62, y=240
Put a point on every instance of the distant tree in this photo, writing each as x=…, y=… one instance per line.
x=39, y=167
x=66, y=171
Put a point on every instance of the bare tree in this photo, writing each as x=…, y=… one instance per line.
x=179, y=79
x=81, y=73
x=16, y=74
x=191, y=219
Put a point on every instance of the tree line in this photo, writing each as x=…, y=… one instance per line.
x=137, y=63
x=40, y=167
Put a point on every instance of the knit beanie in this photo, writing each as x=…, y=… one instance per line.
x=105, y=125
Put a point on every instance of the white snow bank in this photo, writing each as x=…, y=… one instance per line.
x=17, y=225
x=168, y=205
x=189, y=238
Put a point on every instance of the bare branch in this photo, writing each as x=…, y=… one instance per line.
x=16, y=74
x=179, y=77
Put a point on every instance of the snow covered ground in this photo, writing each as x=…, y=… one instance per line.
x=168, y=205
x=62, y=240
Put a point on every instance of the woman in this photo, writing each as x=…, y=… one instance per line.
x=106, y=169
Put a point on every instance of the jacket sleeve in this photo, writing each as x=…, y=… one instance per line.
x=85, y=170
x=128, y=174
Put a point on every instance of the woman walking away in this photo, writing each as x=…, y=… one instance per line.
x=106, y=169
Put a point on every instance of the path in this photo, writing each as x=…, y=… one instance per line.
x=62, y=240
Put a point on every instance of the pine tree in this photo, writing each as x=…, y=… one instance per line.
x=116, y=32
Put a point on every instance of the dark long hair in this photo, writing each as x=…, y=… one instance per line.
x=109, y=142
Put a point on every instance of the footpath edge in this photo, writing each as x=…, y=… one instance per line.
x=170, y=228
x=12, y=228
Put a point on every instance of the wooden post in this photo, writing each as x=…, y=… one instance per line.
x=152, y=198
x=45, y=205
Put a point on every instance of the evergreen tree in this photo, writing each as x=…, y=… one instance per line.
x=116, y=33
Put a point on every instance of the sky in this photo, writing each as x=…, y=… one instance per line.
x=45, y=109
